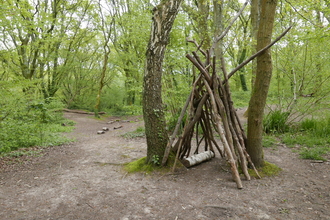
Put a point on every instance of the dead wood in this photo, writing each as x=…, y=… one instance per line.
x=197, y=158
x=210, y=110
x=257, y=54
x=81, y=112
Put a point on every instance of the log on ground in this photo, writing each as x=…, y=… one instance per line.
x=197, y=158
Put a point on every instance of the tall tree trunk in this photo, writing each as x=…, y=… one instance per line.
x=255, y=12
x=153, y=114
x=262, y=82
x=218, y=29
x=101, y=82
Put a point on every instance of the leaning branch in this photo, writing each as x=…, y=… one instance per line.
x=230, y=25
x=257, y=54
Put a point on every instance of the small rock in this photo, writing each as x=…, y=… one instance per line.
x=100, y=132
x=105, y=129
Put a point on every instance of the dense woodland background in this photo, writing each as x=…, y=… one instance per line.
x=90, y=55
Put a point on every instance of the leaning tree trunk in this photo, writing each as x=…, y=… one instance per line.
x=262, y=82
x=153, y=114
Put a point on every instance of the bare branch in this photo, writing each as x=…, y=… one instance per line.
x=257, y=54
x=230, y=25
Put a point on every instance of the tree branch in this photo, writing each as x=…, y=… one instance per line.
x=257, y=54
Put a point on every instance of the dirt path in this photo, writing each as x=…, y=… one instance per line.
x=83, y=180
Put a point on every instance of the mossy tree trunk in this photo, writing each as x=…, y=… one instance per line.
x=153, y=113
x=261, y=85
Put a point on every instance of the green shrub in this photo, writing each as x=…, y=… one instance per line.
x=27, y=121
x=317, y=127
x=276, y=122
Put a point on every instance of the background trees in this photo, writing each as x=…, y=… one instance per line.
x=62, y=49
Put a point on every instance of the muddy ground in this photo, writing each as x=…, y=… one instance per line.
x=85, y=180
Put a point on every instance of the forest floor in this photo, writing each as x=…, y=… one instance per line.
x=85, y=180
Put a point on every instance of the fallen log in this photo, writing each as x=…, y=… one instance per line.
x=81, y=112
x=197, y=158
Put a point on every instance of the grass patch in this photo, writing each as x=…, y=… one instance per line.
x=276, y=122
x=310, y=138
x=315, y=153
x=23, y=152
x=138, y=133
x=268, y=169
x=269, y=141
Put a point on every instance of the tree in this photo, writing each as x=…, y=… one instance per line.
x=45, y=35
x=130, y=44
x=255, y=15
x=153, y=113
x=106, y=26
x=262, y=82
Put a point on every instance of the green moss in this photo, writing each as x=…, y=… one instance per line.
x=268, y=169
x=139, y=165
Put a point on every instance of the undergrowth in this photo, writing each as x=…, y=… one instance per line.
x=311, y=137
x=26, y=121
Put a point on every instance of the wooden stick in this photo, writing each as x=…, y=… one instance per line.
x=233, y=127
x=172, y=138
x=228, y=151
x=199, y=67
x=257, y=54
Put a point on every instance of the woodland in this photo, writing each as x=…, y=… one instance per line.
x=92, y=56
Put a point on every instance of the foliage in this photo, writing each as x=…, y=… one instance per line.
x=26, y=121
x=53, y=49
x=317, y=127
x=276, y=122
x=240, y=98
x=155, y=160
x=314, y=137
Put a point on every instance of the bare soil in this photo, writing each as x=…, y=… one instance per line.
x=85, y=180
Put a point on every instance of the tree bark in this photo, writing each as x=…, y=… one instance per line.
x=262, y=82
x=255, y=11
x=153, y=114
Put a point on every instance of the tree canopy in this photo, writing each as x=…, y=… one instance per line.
x=91, y=54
